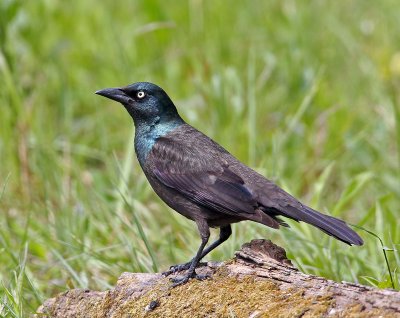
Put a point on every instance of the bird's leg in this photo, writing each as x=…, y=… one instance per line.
x=224, y=234
x=205, y=235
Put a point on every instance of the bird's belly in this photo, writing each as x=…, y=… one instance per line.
x=175, y=200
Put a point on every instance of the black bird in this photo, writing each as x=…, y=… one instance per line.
x=202, y=181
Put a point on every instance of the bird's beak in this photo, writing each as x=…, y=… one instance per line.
x=116, y=94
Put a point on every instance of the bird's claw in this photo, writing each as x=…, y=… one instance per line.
x=180, y=267
x=183, y=280
x=176, y=268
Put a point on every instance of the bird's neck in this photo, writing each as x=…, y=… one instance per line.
x=147, y=133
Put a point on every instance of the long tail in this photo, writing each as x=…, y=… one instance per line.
x=328, y=224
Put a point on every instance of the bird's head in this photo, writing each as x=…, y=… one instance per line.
x=144, y=101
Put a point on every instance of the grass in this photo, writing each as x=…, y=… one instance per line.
x=307, y=94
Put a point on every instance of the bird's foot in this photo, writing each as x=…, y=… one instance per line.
x=177, y=268
x=180, y=267
x=184, y=279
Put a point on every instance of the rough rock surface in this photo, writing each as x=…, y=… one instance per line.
x=259, y=282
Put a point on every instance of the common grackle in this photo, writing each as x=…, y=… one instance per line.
x=202, y=181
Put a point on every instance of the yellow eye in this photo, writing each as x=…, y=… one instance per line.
x=140, y=94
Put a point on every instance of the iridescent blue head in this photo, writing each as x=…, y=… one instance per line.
x=144, y=101
x=153, y=112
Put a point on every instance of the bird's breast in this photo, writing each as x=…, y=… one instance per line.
x=146, y=136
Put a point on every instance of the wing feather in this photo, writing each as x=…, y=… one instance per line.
x=202, y=176
x=220, y=192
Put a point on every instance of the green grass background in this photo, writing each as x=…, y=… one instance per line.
x=305, y=92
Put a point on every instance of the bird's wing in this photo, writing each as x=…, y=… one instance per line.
x=202, y=176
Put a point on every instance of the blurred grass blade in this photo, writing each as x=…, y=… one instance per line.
x=125, y=173
x=320, y=184
x=383, y=250
x=142, y=234
x=305, y=103
x=3, y=190
x=252, y=108
x=73, y=273
x=352, y=190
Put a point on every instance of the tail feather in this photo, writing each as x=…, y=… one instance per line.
x=328, y=224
